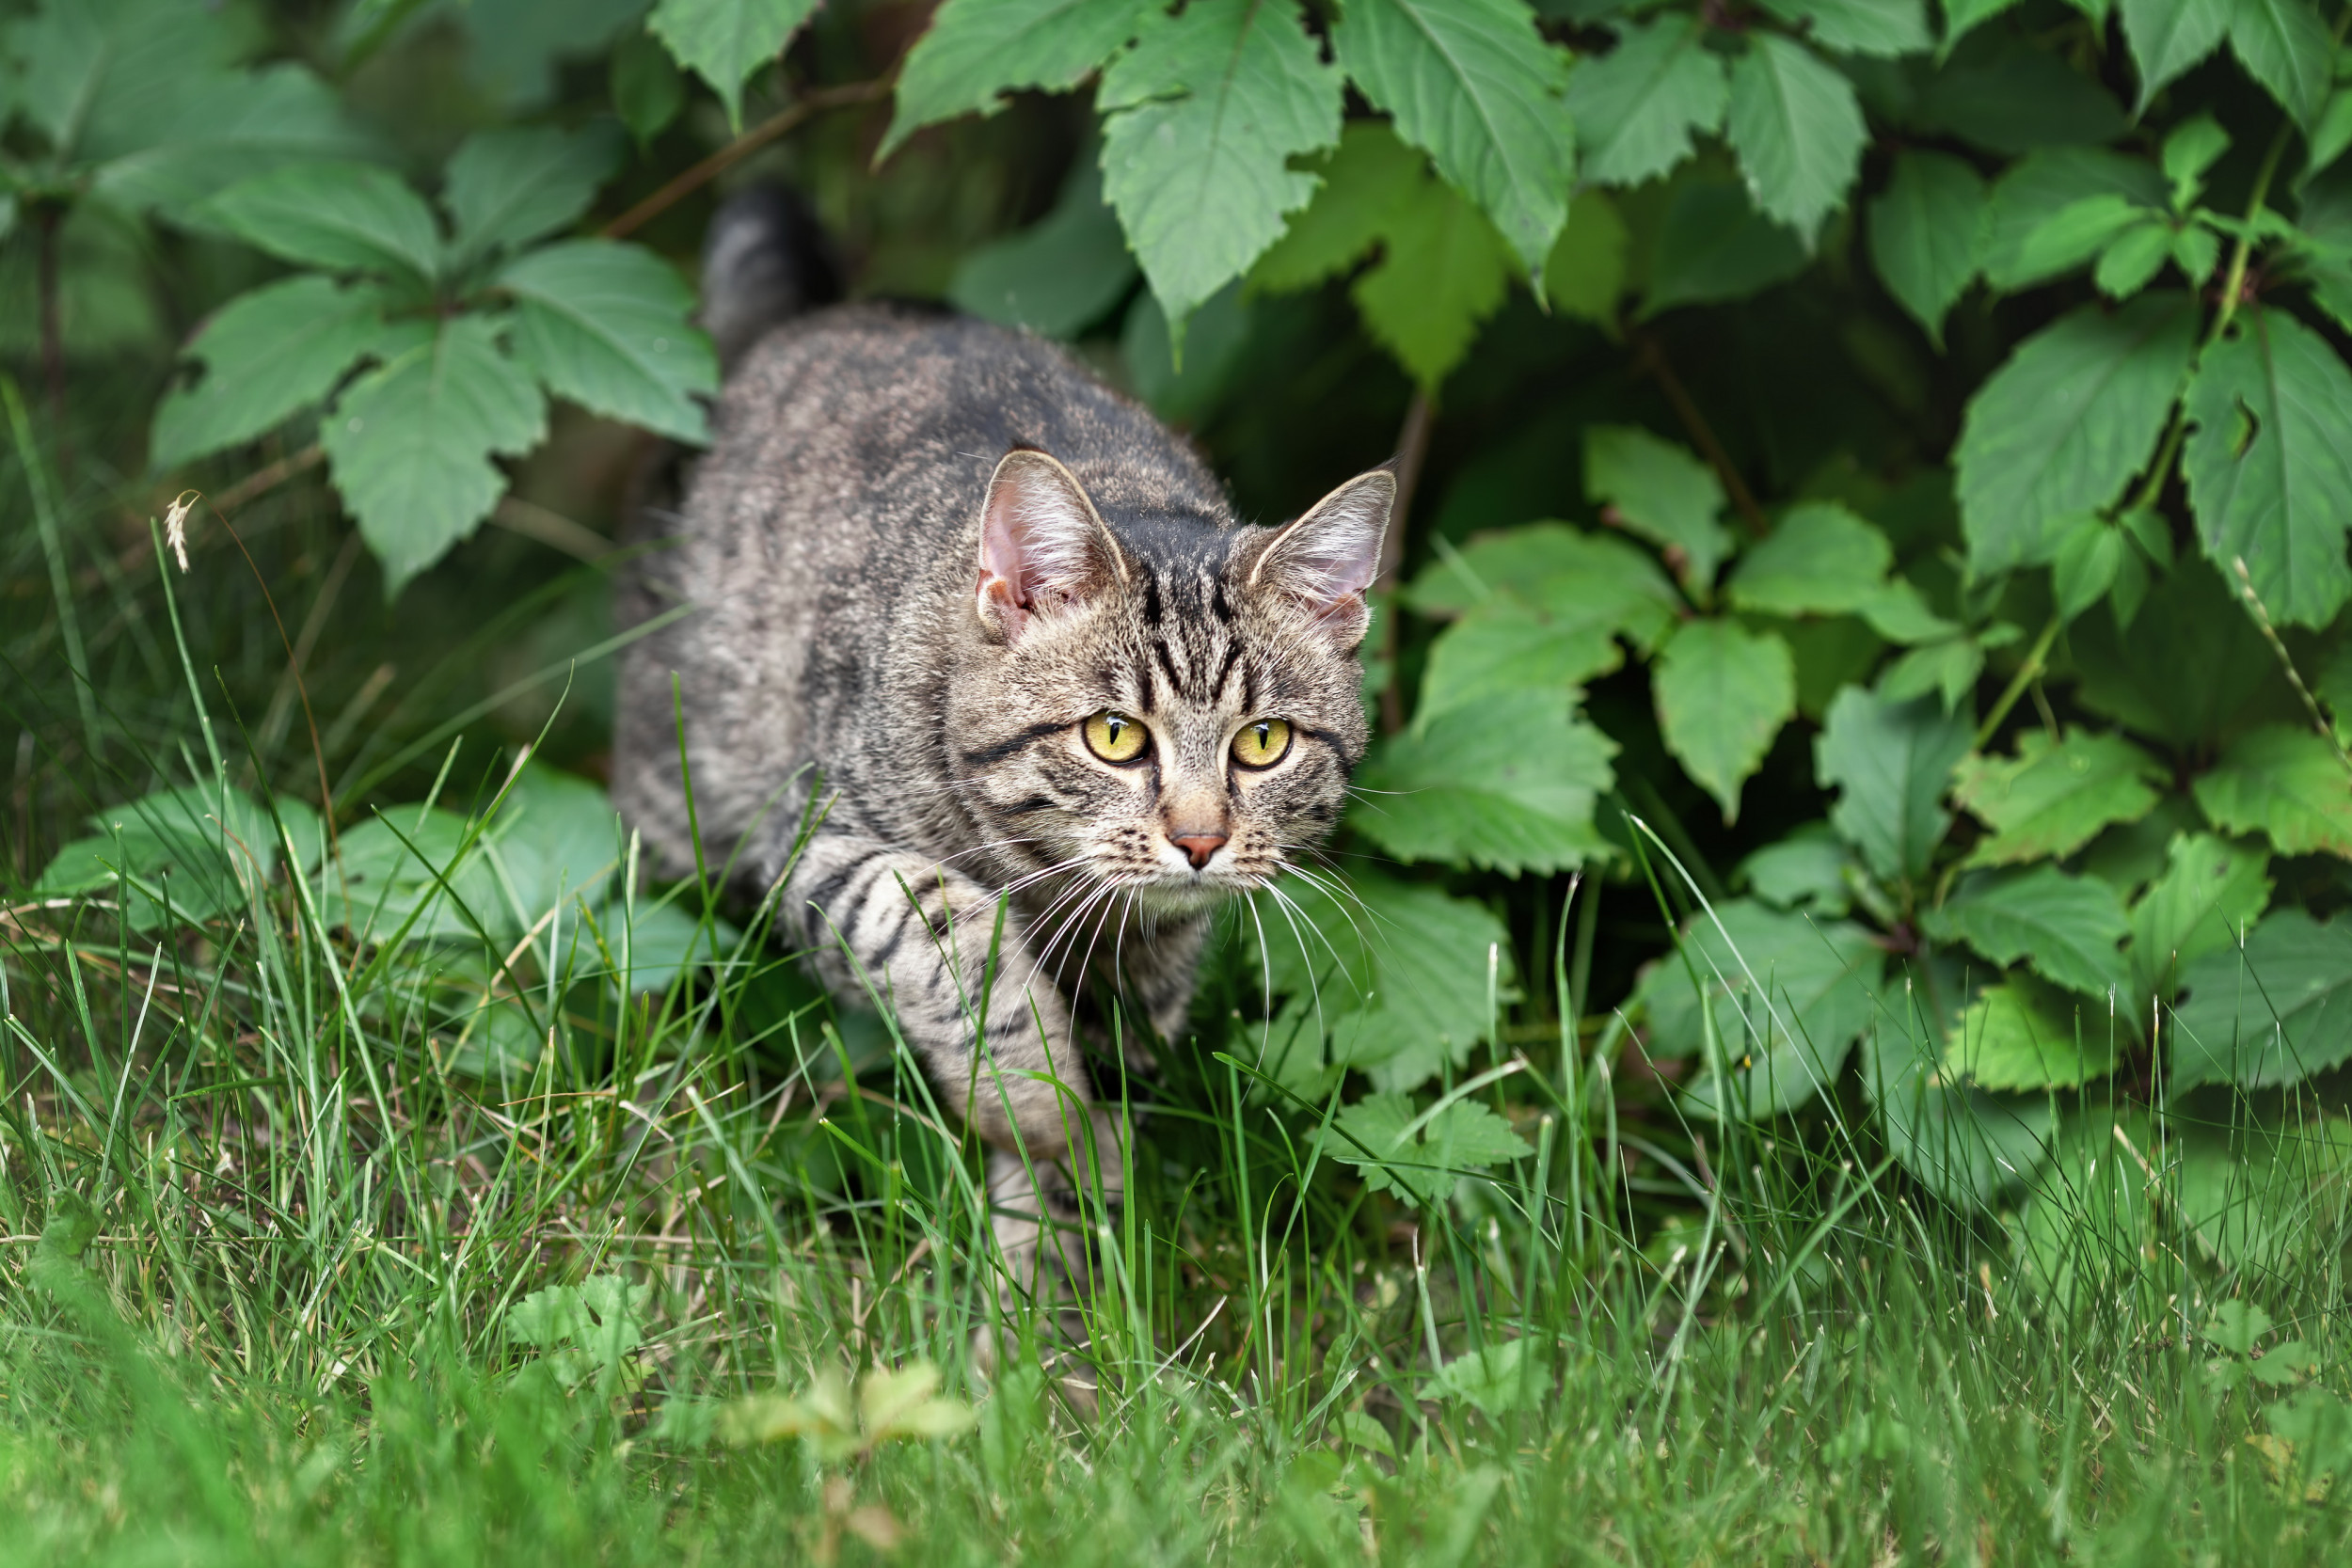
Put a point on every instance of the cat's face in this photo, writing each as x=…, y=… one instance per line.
x=1173, y=713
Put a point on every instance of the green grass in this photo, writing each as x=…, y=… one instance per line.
x=267, y=1257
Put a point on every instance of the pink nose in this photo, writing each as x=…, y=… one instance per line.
x=1200, y=846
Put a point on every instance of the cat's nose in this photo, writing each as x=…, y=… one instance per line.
x=1200, y=846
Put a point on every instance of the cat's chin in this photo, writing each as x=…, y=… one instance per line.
x=1177, y=896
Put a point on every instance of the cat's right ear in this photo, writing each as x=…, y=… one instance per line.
x=1043, y=547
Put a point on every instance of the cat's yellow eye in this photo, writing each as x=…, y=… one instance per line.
x=1115, y=737
x=1263, y=742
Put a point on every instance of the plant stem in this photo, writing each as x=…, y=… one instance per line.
x=1412, y=447
x=2023, y=678
x=1650, y=355
x=743, y=147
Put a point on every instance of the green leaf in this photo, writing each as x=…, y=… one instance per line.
x=1947, y=667
x=1568, y=575
x=1889, y=761
x=2054, y=796
x=378, y=882
x=2062, y=427
x=2017, y=100
x=2169, y=35
x=209, y=132
x=1586, y=275
x=2133, y=259
x=1723, y=693
x=267, y=356
x=2211, y=893
x=1213, y=341
x=1638, y=106
x=1961, y=16
x=2332, y=135
x=2269, y=464
x=1499, y=1379
x=2286, y=47
x=1660, y=491
x=1444, y=271
x=2189, y=150
x=1876, y=27
x=1471, y=83
x=1507, y=646
x=1508, y=787
x=2044, y=183
x=2191, y=670
x=2077, y=232
x=2261, y=1201
x=2271, y=1013
x=1421, y=1165
x=1798, y=130
x=1806, y=871
x=1712, y=246
x=2021, y=1034
x=410, y=443
x=976, y=51
x=2286, y=783
x=605, y=326
x=1058, y=277
x=589, y=1330
x=507, y=187
x=723, y=41
x=2067, y=928
x=2086, y=564
x=1969, y=1147
x=90, y=73
x=648, y=90
x=1201, y=117
x=1928, y=234
x=339, y=217
x=180, y=856
x=1366, y=184
x=2090, y=1216
x=1821, y=559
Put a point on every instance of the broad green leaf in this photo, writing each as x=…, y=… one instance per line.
x=2270, y=1013
x=339, y=217
x=2191, y=670
x=1858, y=26
x=2054, y=796
x=2090, y=1216
x=2332, y=135
x=2133, y=258
x=1960, y=16
x=605, y=326
x=1805, y=871
x=1513, y=1375
x=1889, y=762
x=2169, y=35
x=405, y=862
x=1366, y=184
x=2263, y=1200
x=1058, y=277
x=649, y=948
x=85, y=69
x=1798, y=130
x=1202, y=118
x=2061, y=429
x=1507, y=645
x=1821, y=559
x=647, y=89
x=976, y=51
x=2286, y=783
x=2021, y=1034
x=1969, y=1147
x=1443, y=271
x=1213, y=341
x=1723, y=693
x=1658, y=490
x=2077, y=232
x=2269, y=464
x=2044, y=183
x=1569, y=574
x=1945, y=667
x=2286, y=47
x=508, y=186
x=554, y=838
x=1586, y=275
x=267, y=356
x=1927, y=234
x=1638, y=106
x=1509, y=786
x=2189, y=150
x=209, y=130
x=2017, y=100
x=588, y=1329
x=2067, y=928
x=1899, y=613
x=1376, y=1135
x=1473, y=84
x=180, y=856
x=723, y=41
x=410, y=443
x=2212, y=891
x=1712, y=246
x=2089, y=557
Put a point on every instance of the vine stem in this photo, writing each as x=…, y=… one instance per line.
x=744, y=145
x=2017, y=684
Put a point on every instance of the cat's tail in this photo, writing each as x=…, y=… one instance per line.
x=765, y=258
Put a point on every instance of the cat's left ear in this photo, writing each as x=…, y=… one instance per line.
x=1327, y=558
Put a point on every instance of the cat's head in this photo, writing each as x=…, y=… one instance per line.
x=1169, y=705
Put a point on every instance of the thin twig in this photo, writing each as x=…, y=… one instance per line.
x=1650, y=356
x=2260, y=613
x=743, y=147
x=263, y=480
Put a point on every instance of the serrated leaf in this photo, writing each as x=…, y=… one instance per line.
x=1507, y=646
x=2211, y=893
x=2271, y=1013
x=2189, y=150
x=2133, y=259
x=1202, y=116
x=1499, y=1379
x=2045, y=182
x=267, y=356
x=1586, y=273
x=2077, y=232
x=1946, y=667
x=976, y=52
x=2269, y=464
x=1376, y=1135
x=2169, y=35
x=1562, y=572
x=1473, y=84
x=2062, y=427
x=1365, y=183
x=2018, y=100
x=1509, y=786
x=209, y=130
x=2021, y=1035
x=2286, y=47
x=1058, y=277
x=1928, y=233
x=410, y=443
x=1821, y=559
x=1638, y=106
x=1805, y=871
x=1713, y=246
x=1723, y=693
x=2285, y=783
x=1443, y=271
x=2055, y=795
x=1889, y=762
x=647, y=89
x=605, y=326
x=2191, y=670
x=1872, y=27
x=2067, y=928
x=723, y=41
x=512, y=185
x=1660, y=491
x=342, y=216
x=90, y=73
x=1797, y=127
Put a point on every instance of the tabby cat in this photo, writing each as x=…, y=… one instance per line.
x=1005, y=628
